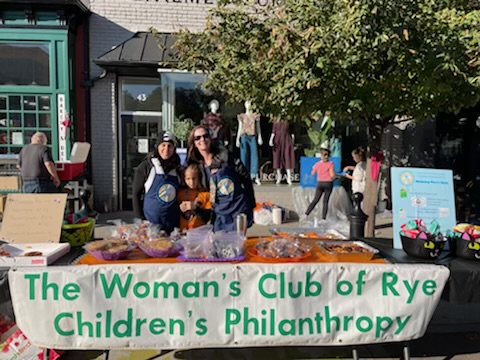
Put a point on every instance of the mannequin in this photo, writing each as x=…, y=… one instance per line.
x=248, y=135
x=214, y=122
x=283, y=155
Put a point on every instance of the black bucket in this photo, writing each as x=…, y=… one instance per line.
x=467, y=247
x=429, y=248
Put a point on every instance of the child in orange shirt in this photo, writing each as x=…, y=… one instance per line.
x=193, y=200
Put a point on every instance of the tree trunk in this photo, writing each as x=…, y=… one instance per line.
x=375, y=128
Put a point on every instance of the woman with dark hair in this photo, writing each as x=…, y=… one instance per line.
x=231, y=190
x=359, y=175
x=156, y=184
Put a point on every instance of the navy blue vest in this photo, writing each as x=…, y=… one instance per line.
x=229, y=198
x=160, y=201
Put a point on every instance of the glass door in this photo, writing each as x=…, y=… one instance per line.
x=140, y=133
x=140, y=122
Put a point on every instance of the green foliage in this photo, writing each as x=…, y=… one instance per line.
x=317, y=138
x=364, y=60
x=182, y=128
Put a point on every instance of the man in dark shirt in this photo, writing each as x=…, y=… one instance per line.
x=37, y=166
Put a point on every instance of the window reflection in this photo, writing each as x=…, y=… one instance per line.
x=141, y=95
x=15, y=120
x=30, y=120
x=44, y=103
x=14, y=103
x=29, y=103
x=44, y=120
x=24, y=64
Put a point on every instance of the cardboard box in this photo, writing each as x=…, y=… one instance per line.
x=10, y=183
x=33, y=222
x=49, y=254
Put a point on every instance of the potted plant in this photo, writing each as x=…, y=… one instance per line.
x=320, y=136
x=182, y=128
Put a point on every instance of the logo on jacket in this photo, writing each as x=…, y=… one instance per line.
x=225, y=186
x=167, y=193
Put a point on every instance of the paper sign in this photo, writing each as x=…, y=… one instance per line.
x=143, y=146
x=422, y=194
x=33, y=218
x=17, y=138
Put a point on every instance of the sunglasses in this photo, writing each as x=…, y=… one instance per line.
x=204, y=136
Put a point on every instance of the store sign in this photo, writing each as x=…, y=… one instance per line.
x=167, y=306
x=62, y=130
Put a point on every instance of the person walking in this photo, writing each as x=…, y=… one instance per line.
x=37, y=167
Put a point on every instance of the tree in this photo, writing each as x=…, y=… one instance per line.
x=366, y=61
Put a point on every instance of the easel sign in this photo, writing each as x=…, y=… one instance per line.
x=33, y=218
x=419, y=193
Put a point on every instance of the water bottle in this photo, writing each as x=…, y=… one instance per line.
x=241, y=223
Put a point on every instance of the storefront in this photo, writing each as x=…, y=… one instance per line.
x=42, y=53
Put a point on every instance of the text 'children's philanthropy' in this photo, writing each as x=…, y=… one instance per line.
x=267, y=323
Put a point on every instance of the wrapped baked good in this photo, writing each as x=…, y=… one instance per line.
x=110, y=249
x=159, y=247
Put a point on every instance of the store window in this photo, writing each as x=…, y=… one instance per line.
x=20, y=117
x=24, y=64
x=183, y=98
x=141, y=95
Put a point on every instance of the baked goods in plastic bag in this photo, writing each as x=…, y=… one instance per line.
x=281, y=248
x=110, y=249
x=198, y=243
x=228, y=245
x=160, y=247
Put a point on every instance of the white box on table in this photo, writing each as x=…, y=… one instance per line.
x=33, y=222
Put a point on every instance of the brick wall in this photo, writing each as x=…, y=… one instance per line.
x=113, y=22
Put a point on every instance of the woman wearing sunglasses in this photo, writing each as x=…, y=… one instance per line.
x=231, y=190
x=156, y=184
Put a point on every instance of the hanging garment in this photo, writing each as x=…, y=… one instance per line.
x=249, y=123
x=214, y=123
x=283, y=155
x=249, y=153
x=375, y=163
x=160, y=201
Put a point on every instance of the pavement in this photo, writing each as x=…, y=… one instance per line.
x=445, y=342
